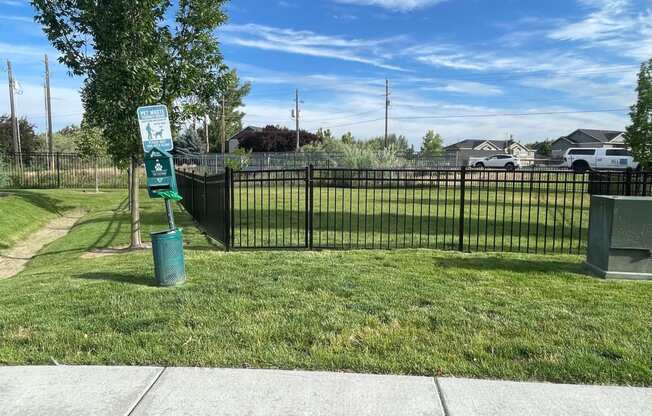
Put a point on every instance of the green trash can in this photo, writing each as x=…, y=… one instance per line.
x=169, y=265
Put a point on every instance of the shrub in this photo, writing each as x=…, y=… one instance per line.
x=240, y=159
x=4, y=175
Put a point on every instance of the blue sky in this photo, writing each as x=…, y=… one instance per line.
x=461, y=67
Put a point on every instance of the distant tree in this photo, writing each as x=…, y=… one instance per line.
x=399, y=143
x=188, y=143
x=64, y=139
x=325, y=135
x=134, y=53
x=432, y=145
x=29, y=140
x=543, y=148
x=639, y=133
x=90, y=144
x=275, y=139
x=347, y=138
x=233, y=91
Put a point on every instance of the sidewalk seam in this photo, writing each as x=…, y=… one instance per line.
x=149, y=388
x=440, y=393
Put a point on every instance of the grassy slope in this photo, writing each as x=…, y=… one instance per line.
x=413, y=312
x=26, y=211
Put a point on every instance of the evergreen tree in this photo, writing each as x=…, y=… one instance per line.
x=432, y=144
x=232, y=93
x=639, y=134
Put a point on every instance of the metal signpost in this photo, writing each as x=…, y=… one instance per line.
x=167, y=246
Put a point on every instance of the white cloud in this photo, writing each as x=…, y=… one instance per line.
x=394, y=5
x=614, y=25
x=16, y=18
x=362, y=112
x=22, y=50
x=13, y=3
x=311, y=44
x=468, y=88
x=66, y=105
x=610, y=19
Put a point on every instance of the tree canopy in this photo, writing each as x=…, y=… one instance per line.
x=233, y=99
x=29, y=140
x=432, y=145
x=132, y=54
x=277, y=139
x=639, y=133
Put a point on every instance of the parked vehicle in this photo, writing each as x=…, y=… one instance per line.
x=502, y=161
x=583, y=159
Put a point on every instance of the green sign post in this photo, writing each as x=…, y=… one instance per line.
x=167, y=246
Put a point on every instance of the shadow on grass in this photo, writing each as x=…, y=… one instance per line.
x=133, y=279
x=48, y=203
x=536, y=264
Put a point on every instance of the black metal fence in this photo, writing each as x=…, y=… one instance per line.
x=60, y=170
x=543, y=211
x=206, y=198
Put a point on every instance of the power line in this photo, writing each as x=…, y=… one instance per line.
x=456, y=116
x=543, y=113
x=350, y=116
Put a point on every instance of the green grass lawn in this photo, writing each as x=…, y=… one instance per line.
x=511, y=316
x=26, y=211
x=497, y=218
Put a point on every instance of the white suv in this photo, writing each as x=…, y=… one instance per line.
x=583, y=159
x=508, y=162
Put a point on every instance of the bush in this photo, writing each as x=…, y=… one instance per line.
x=4, y=175
x=240, y=159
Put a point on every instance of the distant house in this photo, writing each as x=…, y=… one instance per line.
x=588, y=138
x=234, y=141
x=465, y=149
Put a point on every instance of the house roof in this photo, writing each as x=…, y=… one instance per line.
x=473, y=144
x=602, y=136
x=245, y=130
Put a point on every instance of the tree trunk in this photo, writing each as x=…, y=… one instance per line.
x=136, y=241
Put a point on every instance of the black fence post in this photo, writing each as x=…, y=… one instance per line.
x=192, y=193
x=462, y=199
x=205, y=198
x=309, y=205
x=58, y=170
x=643, y=183
x=628, y=182
x=227, y=208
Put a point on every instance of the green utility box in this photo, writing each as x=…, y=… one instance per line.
x=620, y=237
x=169, y=265
x=159, y=166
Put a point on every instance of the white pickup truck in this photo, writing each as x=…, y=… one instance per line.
x=583, y=159
x=503, y=161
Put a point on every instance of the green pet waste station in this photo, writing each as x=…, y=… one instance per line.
x=620, y=237
x=167, y=246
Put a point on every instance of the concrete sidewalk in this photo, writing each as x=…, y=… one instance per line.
x=67, y=390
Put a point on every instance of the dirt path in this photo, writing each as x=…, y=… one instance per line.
x=14, y=259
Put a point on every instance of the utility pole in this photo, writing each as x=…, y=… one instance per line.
x=48, y=106
x=296, y=116
x=387, y=102
x=12, y=105
x=223, y=125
